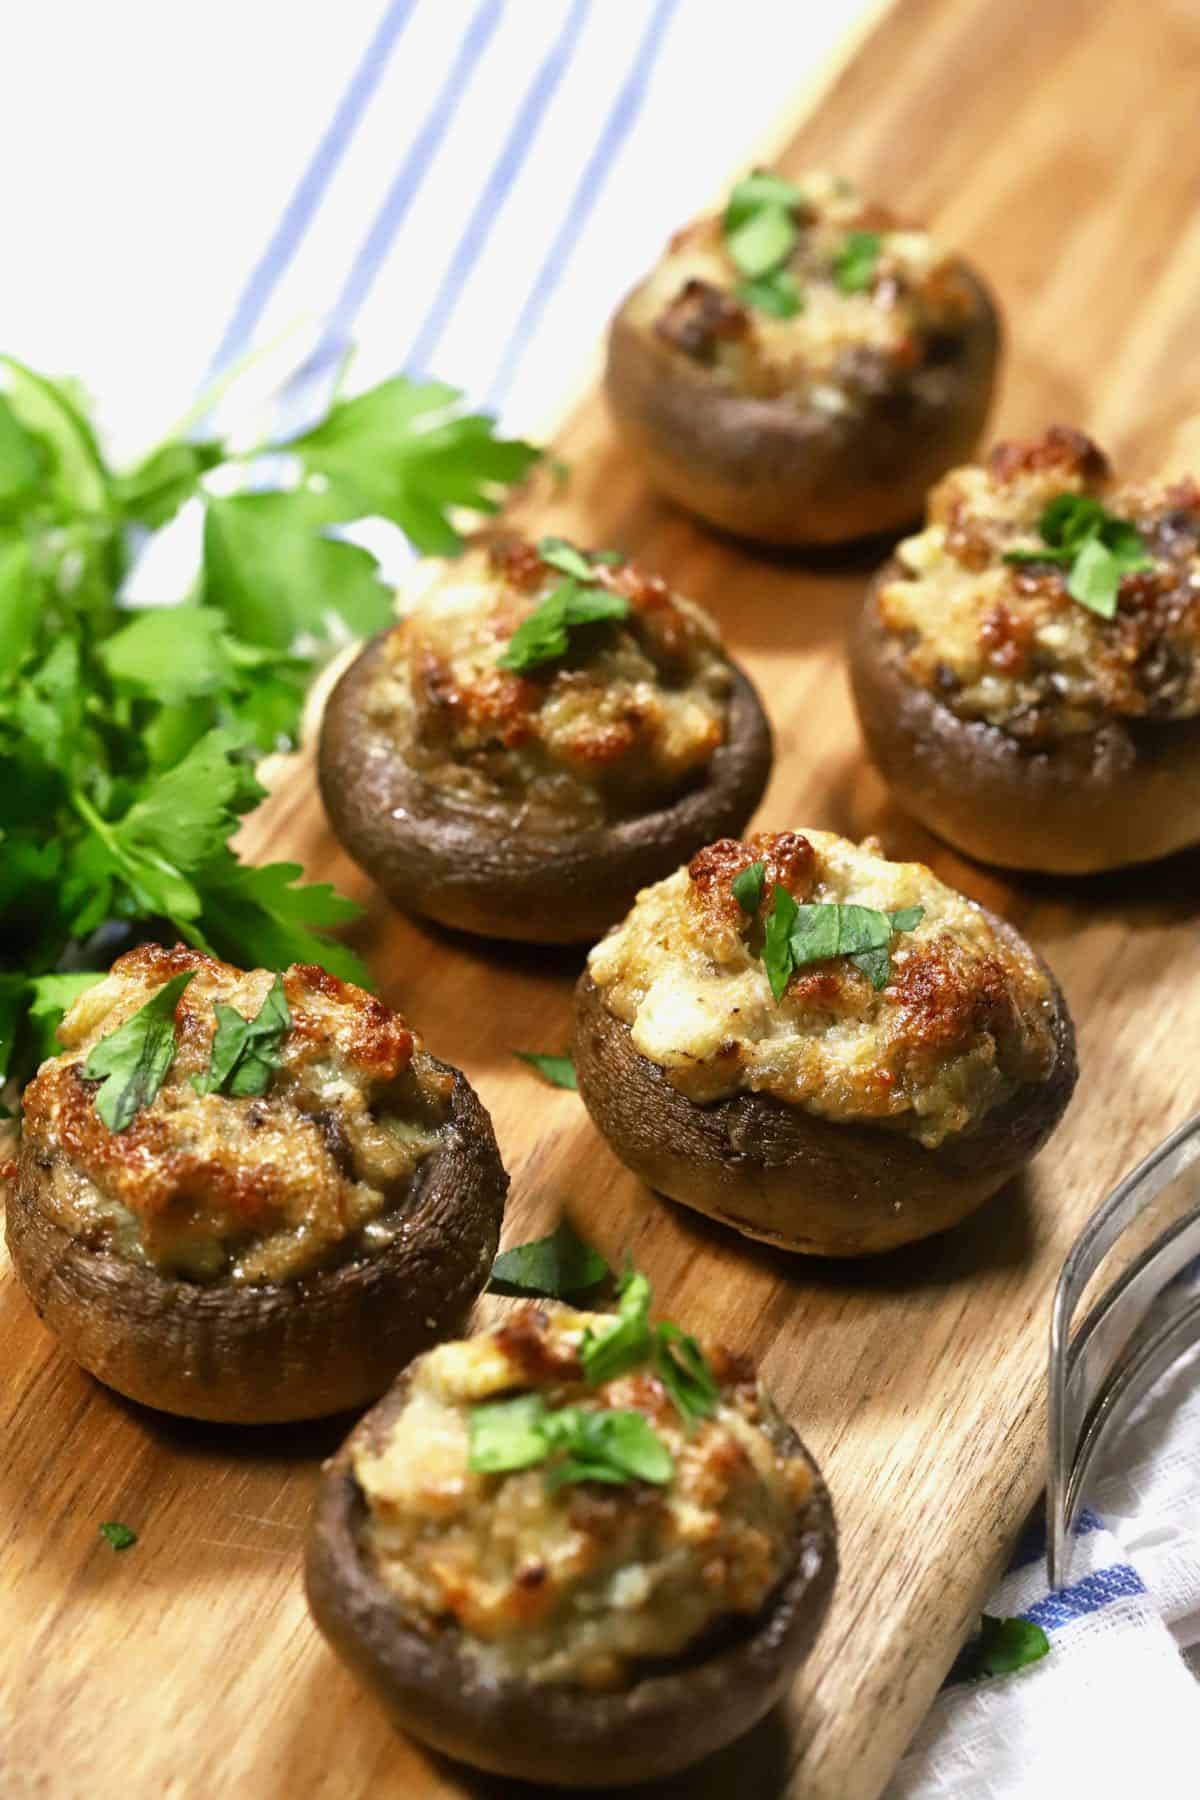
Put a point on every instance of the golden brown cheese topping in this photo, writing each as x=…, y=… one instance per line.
x=580, y=1584
x=842, y=349
x=621, y=723
x=1006, y=642
x=261, y=1188
x=966, y=1016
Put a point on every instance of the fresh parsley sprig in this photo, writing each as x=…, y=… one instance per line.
x=631, y=1340
x=1097, y=548
x=128, y=738
x=578, y=600
x=760, y=232
x=795, y=935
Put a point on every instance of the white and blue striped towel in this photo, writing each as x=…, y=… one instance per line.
x=467, y=187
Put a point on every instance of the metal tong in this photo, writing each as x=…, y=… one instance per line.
x=1118, y=1352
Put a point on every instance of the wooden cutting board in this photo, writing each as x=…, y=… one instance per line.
x=1057, y=144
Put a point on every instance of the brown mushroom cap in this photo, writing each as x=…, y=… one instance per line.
x=270, y=1352
x=482, y=871
x=791, y=1178
x=782, y=471
x=549, y=1732
x=1127, y=792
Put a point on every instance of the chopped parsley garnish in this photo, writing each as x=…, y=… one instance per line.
x=1000, y=1647
x=578, y=600
x=854, y=267
x=118, y=1535
x=559, y=1071
x=797, y=935
x=133, y=1060
x=1094, y=545
x=761, y=233
x=557, y=1266
x=576, y=1444
x=245, y=1052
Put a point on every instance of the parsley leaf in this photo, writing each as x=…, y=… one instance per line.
x=559, y=1071
x=507, y=1434
x=118, y=1535
x=154, y=492
x=1100, y=549
x=132, y=1061
x=760, y=234
x=799, y=935
x=403, y=451
x=624, y=1342
x=261, y=916
x=557, y=1266
x=278, y=579
x=1001, y=1647
x=245, y=1052
x=543, y=636
x=615, y=1446
x=748, y=887
x=854, y=267
x=778, y=294
x=683, y=1371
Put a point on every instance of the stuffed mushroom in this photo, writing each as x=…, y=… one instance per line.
x=544, y=732
x=802, y=368
x=1027, y=669
x=823, y=1048
x=245, y=1196
x=574, y=1549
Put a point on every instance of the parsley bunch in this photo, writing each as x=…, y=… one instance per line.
x=128, y=738
x=1096, y=547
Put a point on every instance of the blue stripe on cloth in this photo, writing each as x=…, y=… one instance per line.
x=1100, y=1589
x=1031, y=1546
x=298, y=213
x=387, y=221
x=587, y=191
x=504, y=172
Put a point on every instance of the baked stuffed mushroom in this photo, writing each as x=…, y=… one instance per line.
x=1027, y=669
x=246, y=1196
x=545, y=732
x=801, y=369
x=823, y=1048
x=573, y=1557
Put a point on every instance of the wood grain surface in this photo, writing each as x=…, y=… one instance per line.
x=1057, y=144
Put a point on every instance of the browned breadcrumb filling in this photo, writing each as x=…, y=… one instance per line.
x=585, y=1584
x=211, y=1187
x=966, y=1018
x=622, y=723
x=842, y=351
x=1006, y=643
